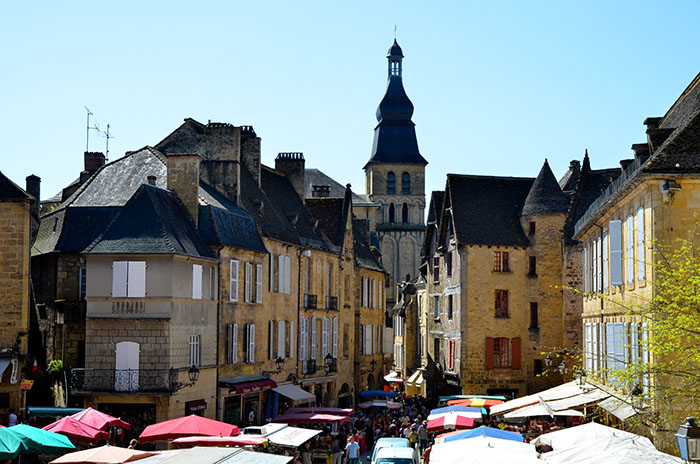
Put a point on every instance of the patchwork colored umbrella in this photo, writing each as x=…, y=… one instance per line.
x=103, y=455
x=486, y=432
x=451, y=421
x=467, y=411
x=42, y=441
x=186, y=427
x=11, y=445
x=76, y=432
x=99, y=420
x=475, y=402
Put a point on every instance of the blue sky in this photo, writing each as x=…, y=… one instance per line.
x=497, y=86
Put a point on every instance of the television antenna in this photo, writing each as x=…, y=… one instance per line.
x=108, y=136
x=89, y=128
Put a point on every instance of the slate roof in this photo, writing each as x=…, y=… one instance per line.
x=545, y=196
x=395, y=50
x=364, y=257
x=9, y=191
x=486, y=210
x=329, y=213
x=314, y=176
x=437, y=198
x=153, y=221
x=221, y=227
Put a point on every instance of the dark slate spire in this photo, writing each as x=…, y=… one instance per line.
x=395, y=135
x=545, y=196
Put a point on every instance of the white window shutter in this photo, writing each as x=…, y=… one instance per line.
x=136, y=279
x=291, y=339
x=287, y=274
x=272, y=273
x=251, y=343
x=258, y=283
x=640, y=244
x=325, y=345
x=234, y=351
x=313, y=337
x=271, y=339
x=248, y=282
x=233, y=281
x=197, y=281
x=119, y=270
x=615, y=252
x=281, y=339
x=630, y=249
x=335, y=337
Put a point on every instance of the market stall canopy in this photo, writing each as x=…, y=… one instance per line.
x=475, y=402
x=241, y=440
x=486, y=432
x=484, y=450
x=292, y=436
x=457, y=408
x=565, y=396
x=185, y=427
x=393, y=377
x=380, y=404
x=451, y=421
x=336, y=411
x=99, y=420
x=416, y=379
x=208, y=455
x=537, y=410
x=103, y=455
x=472, y=414
x=295, y=393
x=241, y=385
x=310, y=418
x=41, y=411
x=586, y=433
x=445, y=399
x=618, y=408
x=610, y=450
x=11, y=445
x=42, y=441
x=378, y=393
x=76, y=431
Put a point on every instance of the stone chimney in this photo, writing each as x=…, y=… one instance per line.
x=33, y=187
x=93, y=161
x=250, y=151
x=220, y=164
x=151, y=180
x=292, y=165
x=183, y=179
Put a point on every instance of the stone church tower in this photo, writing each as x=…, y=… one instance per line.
x=395, y=179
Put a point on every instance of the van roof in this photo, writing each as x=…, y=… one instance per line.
x=395, y=452
x=392, y=440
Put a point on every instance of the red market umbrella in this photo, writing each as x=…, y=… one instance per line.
x=103, y=455
x=186, y=427
x=475, y=402
x=451, y=421
x=309, y=417
x=241, y=440
x=76, y=431
x=99, y=420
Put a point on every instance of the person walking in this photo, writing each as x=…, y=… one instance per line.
x=337, y=451
x=423, y=436
x=352, y=451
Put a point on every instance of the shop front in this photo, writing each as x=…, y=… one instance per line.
x=246, y=400
x=324, y=390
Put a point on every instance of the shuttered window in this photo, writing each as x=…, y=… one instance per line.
x=248, y=282
x=258, y=283
x=281, y=339
x=232, y=343
x=615, y=252
x=129, y=279
x=325, y=337
x=605, y=262
x=335, y=337
x=197, y=281
x=303, y=338
x=233, y=281
x=287, y=274
x=630, y=249
x=313, y=338
x=250, y=343
x=194, y=350
x=291, y=339
x=271, y=339
x=640, y=244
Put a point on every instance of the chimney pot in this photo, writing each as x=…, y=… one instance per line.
x=151, y=180
x=93, y=161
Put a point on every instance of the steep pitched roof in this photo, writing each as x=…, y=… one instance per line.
x=314, y=176
x=486, y=210
x=153, y=221
x=545, y=196
x=332, y=215
x=364, y=256
x=9, y=191
x=223, y=227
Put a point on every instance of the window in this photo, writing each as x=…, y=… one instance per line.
x=258, y=283
x=448, y=263
x=501, y=352
x=404, y=213
x=406, y=183
x=126, y=366
x=451, y=345
x=538, y=367
x=501, y=303
x=303, y=338
x=281, y=339
x=233, y=281
x=271, y=340
x=313, y=338
x=250, y=343
x=273, y=277
x=129, y=279
x=640, y=243
x=449, y=307
x=436, y=349
x=335, y=337
x=531, y=228
x=391, y=183
x=346, y=340
x=194, y=350
x=283, y=273
x=605, y=262
x=290, y=339
x=82, y=283
x=615, y=252
x=248, y=282
x=392, y=214
x=630, y=249
x=325, y=337
x=232, y=343
x=436, y=307
x=501, y=261
x=197, y=281
x=534, y=316
x=328, y=285
x=436, y=269
x=532, y=266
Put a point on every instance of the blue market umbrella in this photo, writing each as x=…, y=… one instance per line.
x=11, y=445
x=42, y=441
x=378, y=393
x=486, y=432
x=457, y=408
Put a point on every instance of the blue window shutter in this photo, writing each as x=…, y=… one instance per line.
x=615, y=252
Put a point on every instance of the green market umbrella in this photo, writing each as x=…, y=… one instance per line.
x=42, y=441
x=11, y=445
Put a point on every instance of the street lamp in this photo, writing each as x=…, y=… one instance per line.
x=548, y=360
x=327, y=365
x=688, y=437
x=562, y=368
x=193, y=373
x=580, y=376
x=373, y=364
x=279, y=364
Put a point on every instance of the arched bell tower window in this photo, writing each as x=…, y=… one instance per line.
x=392, y=214
x=404, y=213
x=406, y=183
x=391, y=183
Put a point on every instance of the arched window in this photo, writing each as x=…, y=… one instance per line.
x=392, y=214
x=406, y=183
x=391, y=183
x=404, y=213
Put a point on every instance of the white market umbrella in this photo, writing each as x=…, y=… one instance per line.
x=536, y=410
x=610, y=450
x=483, y=450
x=587, y=433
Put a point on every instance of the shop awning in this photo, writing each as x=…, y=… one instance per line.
x=393, y=377
x=618, y=408
x=3, y=365
x=294, y=393
x=37, y=411
x=292, y=436
x=239, y=386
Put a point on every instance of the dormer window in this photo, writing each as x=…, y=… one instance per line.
x=406, y=183
x=391, y=183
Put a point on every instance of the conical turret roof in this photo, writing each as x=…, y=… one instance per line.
x=545, y=196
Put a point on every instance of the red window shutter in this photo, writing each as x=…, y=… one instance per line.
x=489, y=353
x=515, y=349
x=506, y=263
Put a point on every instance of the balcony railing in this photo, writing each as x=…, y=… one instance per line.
x=332, y=302
x=123, y=380
x=309, y=301
x=308, y=367
x=331, y=365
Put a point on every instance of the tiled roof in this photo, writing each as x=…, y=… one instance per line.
x=545, y=196
x=11, y=191
x=153, y=221
x=486, y=210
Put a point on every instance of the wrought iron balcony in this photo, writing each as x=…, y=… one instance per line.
x=308, y=367
x=332, y=302
x=309, y=301
x=331, y=365
x=87, y=381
